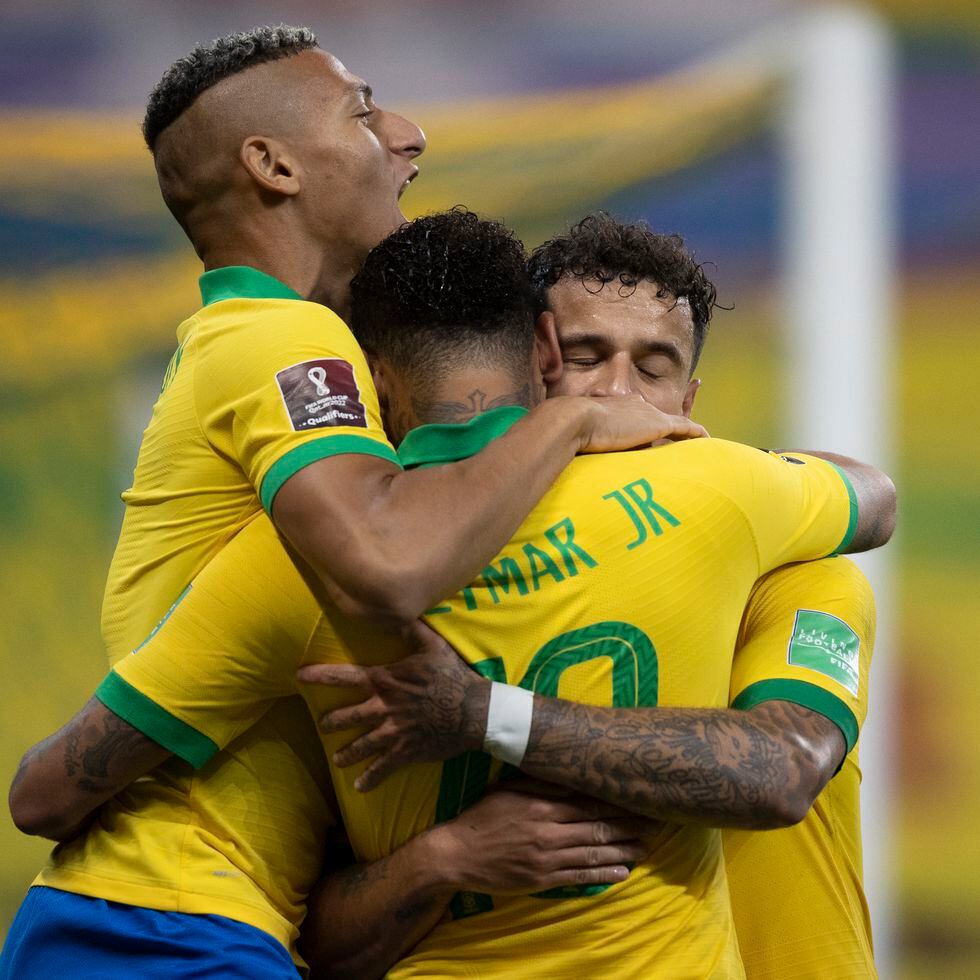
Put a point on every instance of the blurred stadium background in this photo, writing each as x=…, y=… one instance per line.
x=535, y=113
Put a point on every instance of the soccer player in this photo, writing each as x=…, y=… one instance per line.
x=806, y=639
x=561, y=542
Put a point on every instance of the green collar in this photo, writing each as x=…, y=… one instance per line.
x=238, y=281
x=429, y=445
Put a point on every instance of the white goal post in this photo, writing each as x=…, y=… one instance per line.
x=840, y=228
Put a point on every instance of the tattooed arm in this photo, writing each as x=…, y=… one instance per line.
x=365, y=917
x=63, y=780
x=754, y=769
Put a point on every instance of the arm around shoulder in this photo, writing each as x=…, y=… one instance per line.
x=389, y=544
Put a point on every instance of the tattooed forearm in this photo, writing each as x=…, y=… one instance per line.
x=65, y=778
x=365, y=917
x=91, y=754
x=358, y=876
x=719, y=767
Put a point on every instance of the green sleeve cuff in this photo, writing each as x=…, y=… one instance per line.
x=852, y=519
x=141, y=712
x=807, y=696
x=310, y=452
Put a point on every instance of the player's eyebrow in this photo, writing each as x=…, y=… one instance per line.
x=363, y=90
x=583, y=340
x=669, y=350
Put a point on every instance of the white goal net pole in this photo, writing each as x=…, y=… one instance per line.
x=840, y=228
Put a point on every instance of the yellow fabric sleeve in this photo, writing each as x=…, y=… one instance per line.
x=282, y=384
x=807, y=636
x=798, y=507
x=228, y=648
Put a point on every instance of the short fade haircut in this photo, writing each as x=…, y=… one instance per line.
x=446, y=291
x=601, y=249
x=210, y=63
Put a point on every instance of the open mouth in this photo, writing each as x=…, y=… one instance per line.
x=408, y=180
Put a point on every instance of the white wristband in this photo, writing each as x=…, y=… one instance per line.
x=508, y=722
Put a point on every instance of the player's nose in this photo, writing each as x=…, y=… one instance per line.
x=620, y=377
x=610, y=380
x=404, y=137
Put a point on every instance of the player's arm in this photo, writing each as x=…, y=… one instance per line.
x=64, y=779
x=759, y=769
x=291, y=399
x=754, y=769
x=363, y=918
x=226, y=650
x=875, y=498
x=388, y=544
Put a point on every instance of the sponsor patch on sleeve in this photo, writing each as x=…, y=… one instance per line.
x=826, y=644
x=320, y=394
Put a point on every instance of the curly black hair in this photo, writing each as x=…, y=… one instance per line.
x=600, y=249
x=209, y=63
x=445, y=291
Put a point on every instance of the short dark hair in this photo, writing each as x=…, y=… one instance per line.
x=209, y=63
x=601, y=249
x=445, y=291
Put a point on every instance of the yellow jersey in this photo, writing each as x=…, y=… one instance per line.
x=797, y=894
x=261, y=385
x=602, y=596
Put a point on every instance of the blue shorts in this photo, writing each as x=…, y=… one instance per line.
x=58, y=935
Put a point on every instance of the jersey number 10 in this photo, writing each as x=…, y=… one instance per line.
x=635, y=683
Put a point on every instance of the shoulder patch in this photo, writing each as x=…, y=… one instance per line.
x=826, y=644
x=319, y=394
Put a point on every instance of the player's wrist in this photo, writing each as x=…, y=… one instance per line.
x=571, y=418
x=508, y=726
x=476, y=707
x=439, y=861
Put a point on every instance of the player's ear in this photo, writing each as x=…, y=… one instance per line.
x=270, y=165
x=547, y=349
x=692, y=389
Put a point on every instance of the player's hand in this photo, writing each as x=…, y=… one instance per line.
x=628, y=422
x=518, y=841
x=426, y=708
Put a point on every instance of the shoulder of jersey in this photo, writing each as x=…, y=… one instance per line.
x=261, y=314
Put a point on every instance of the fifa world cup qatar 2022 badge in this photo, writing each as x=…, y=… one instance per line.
x=320, y=394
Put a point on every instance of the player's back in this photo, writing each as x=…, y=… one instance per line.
x=624, y=587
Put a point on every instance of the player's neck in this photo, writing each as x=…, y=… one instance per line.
x=472, y=392
x=312, y=272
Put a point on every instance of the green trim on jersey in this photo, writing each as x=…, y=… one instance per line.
x=242, y=282
x=289, y=464
x=144, y=713
x=852, y=521
x=429, y=445
x=807, y=696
